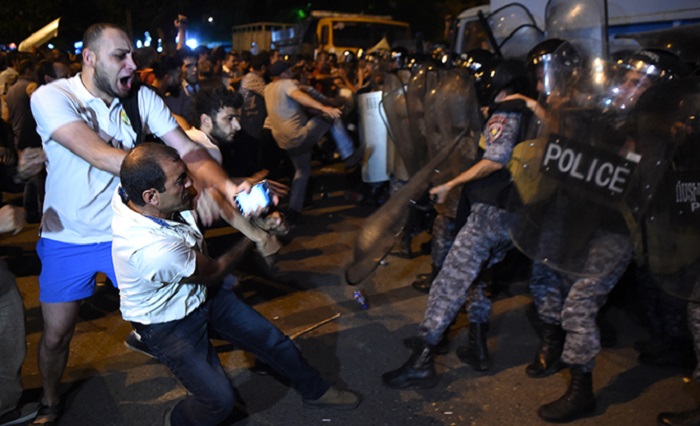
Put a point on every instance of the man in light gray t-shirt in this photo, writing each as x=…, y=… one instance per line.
x=293, y=130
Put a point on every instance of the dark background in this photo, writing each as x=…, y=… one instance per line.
x=22, y=18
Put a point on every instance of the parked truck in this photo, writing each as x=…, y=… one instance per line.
x=336, y=32
x=257, y=34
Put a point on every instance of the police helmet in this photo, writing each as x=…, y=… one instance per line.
x=349, y=56
x=640, y=70
x=552, y=60
x=399, y=57
x=542, y=52
x=547, y=50
x=512, y=75
x=473, y=60
x=657, y=63
x=484, y=80
x=440, y=56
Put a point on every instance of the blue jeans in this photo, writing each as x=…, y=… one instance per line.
x=184, y=347
x=341, y=138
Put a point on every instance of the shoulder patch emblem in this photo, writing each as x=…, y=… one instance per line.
x=496, y=126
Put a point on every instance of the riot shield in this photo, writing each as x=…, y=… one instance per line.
x=512, y=31
x=394, y=103
x=373, y=136
x=671, y=234
x=582, y=20
x=423, y=76
x=451, y=109
x=433, y=135
x=453, y=114
x=382, y=228
x=590, y=174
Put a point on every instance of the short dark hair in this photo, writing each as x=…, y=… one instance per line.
x=26, y=66
x=185, y=53
x=297, y=72
x=141, y=169
x=257, y=61
x=212, y=99
x=279, y=67
x=13, y=57
x=202, y=50
x=92, y=34
x=217, y=54
x=165, y=65
x=45, y=68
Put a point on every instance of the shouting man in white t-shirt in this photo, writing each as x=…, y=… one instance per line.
x=86, y=134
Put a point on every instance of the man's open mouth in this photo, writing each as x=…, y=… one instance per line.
x=125, y=83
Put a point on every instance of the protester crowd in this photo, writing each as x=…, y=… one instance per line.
x=160, y=144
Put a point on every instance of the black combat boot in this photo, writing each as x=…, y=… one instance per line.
x=418, y=371
x=441, y=348
x=576, y=402
x=424, y=281
x=547, y=357
x=476, y=353
x=683, y=418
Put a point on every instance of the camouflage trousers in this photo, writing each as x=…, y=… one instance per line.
x=574, y=301
x=478, y=305
x=483, y=241
x=694, y=325
x=443, y=235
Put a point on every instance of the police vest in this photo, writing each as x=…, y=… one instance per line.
x=496, y=189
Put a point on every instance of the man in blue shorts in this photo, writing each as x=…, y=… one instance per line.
x=86, y=134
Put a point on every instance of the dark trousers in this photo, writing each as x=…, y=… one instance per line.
x=184, y=347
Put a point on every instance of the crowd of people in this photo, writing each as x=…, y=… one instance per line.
x=82, y=126
x=124, y=155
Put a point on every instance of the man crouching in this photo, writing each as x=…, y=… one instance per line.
x=170, y=291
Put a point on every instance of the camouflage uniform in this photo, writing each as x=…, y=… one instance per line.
x=478, y=305
x=574, y=302
x=483, y=241
x=443, y=235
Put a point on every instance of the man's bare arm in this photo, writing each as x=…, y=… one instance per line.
x=202, y=166
x=481, y=169
x=210, y=271
x=82, y=141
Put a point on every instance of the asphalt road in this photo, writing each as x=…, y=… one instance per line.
x=106, y=384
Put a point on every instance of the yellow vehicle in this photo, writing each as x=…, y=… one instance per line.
x=335, y=32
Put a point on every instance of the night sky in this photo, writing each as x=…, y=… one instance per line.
x=20, y=19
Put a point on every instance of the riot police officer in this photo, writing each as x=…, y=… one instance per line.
x=567, y=303
x=672, y=237
x=484, y=239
